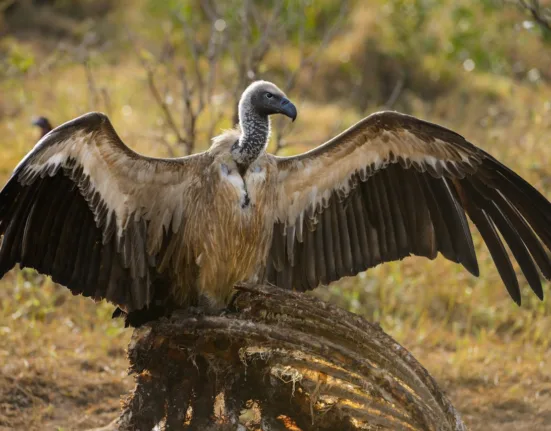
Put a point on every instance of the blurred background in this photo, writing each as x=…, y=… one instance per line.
x=169, y=74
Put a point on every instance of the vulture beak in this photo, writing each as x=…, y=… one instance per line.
x=288, y=109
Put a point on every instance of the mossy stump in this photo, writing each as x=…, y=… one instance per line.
x=280, y=360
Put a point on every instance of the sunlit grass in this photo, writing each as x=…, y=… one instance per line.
x=486, y=351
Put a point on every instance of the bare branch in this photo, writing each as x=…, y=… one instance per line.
x=241, y=57
x=163, y=105
x=215, y=119
x=92, y=87
x=396, y=92
x=212, y=54
x=261, y=48
x=106, y=101
x=209, y=9
x=312, y=59
x=159, y=99
x=201, y=86
x=540, y=14
x=189, y=114
x=307, y=61
x=193, y=47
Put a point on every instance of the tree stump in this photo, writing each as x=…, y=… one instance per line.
x=279, y=360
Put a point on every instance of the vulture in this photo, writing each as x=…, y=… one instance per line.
x=43, y=124
x=152, y=234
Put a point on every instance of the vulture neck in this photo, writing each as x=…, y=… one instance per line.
x=255, y=132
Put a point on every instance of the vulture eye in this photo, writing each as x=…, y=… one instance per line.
x=269, y=95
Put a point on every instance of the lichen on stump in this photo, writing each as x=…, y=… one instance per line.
x=280, y=360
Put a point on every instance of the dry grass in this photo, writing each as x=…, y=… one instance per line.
x=62, y=358
x=62, y=363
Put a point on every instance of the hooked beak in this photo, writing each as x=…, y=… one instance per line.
x=288, y=109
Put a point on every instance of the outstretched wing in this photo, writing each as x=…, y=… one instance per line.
x=392, y=186
x=96, y=216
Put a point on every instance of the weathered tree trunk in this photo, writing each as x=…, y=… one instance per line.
x=279, y=361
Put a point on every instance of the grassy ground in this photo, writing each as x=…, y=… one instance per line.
x=62, y=359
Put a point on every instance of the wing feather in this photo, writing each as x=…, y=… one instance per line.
x=344, y=238
x=351, y=219
x=438, y=212
x=489, y=233
x=392, y=197
x=361, y=227
x=337, y=248
x=526, y=233
x=399, y=186
x=319, y=247
x=329, y=247
x=85, y=209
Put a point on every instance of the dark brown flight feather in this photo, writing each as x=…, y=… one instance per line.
x=417, y=183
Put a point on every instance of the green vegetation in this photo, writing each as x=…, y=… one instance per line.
x=481, y=68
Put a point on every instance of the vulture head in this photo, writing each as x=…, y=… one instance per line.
x=260, y=100
x=265, y=98
x=43, y=124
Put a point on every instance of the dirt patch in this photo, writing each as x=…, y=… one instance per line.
x=71, y=399
x=481, y=413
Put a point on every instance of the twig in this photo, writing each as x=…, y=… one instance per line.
x=540, y=14
x=92, y=88
x=209, y=9
x=161, y=102
x=261, y=48
x=217, y=117
x=163, y=105
x=189, y=114
x=311, y=61
x=106, y=101
x=396, y=92
x=326, y=39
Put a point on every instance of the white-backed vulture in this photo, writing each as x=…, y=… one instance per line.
x=43, y=124
x=151, y=235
